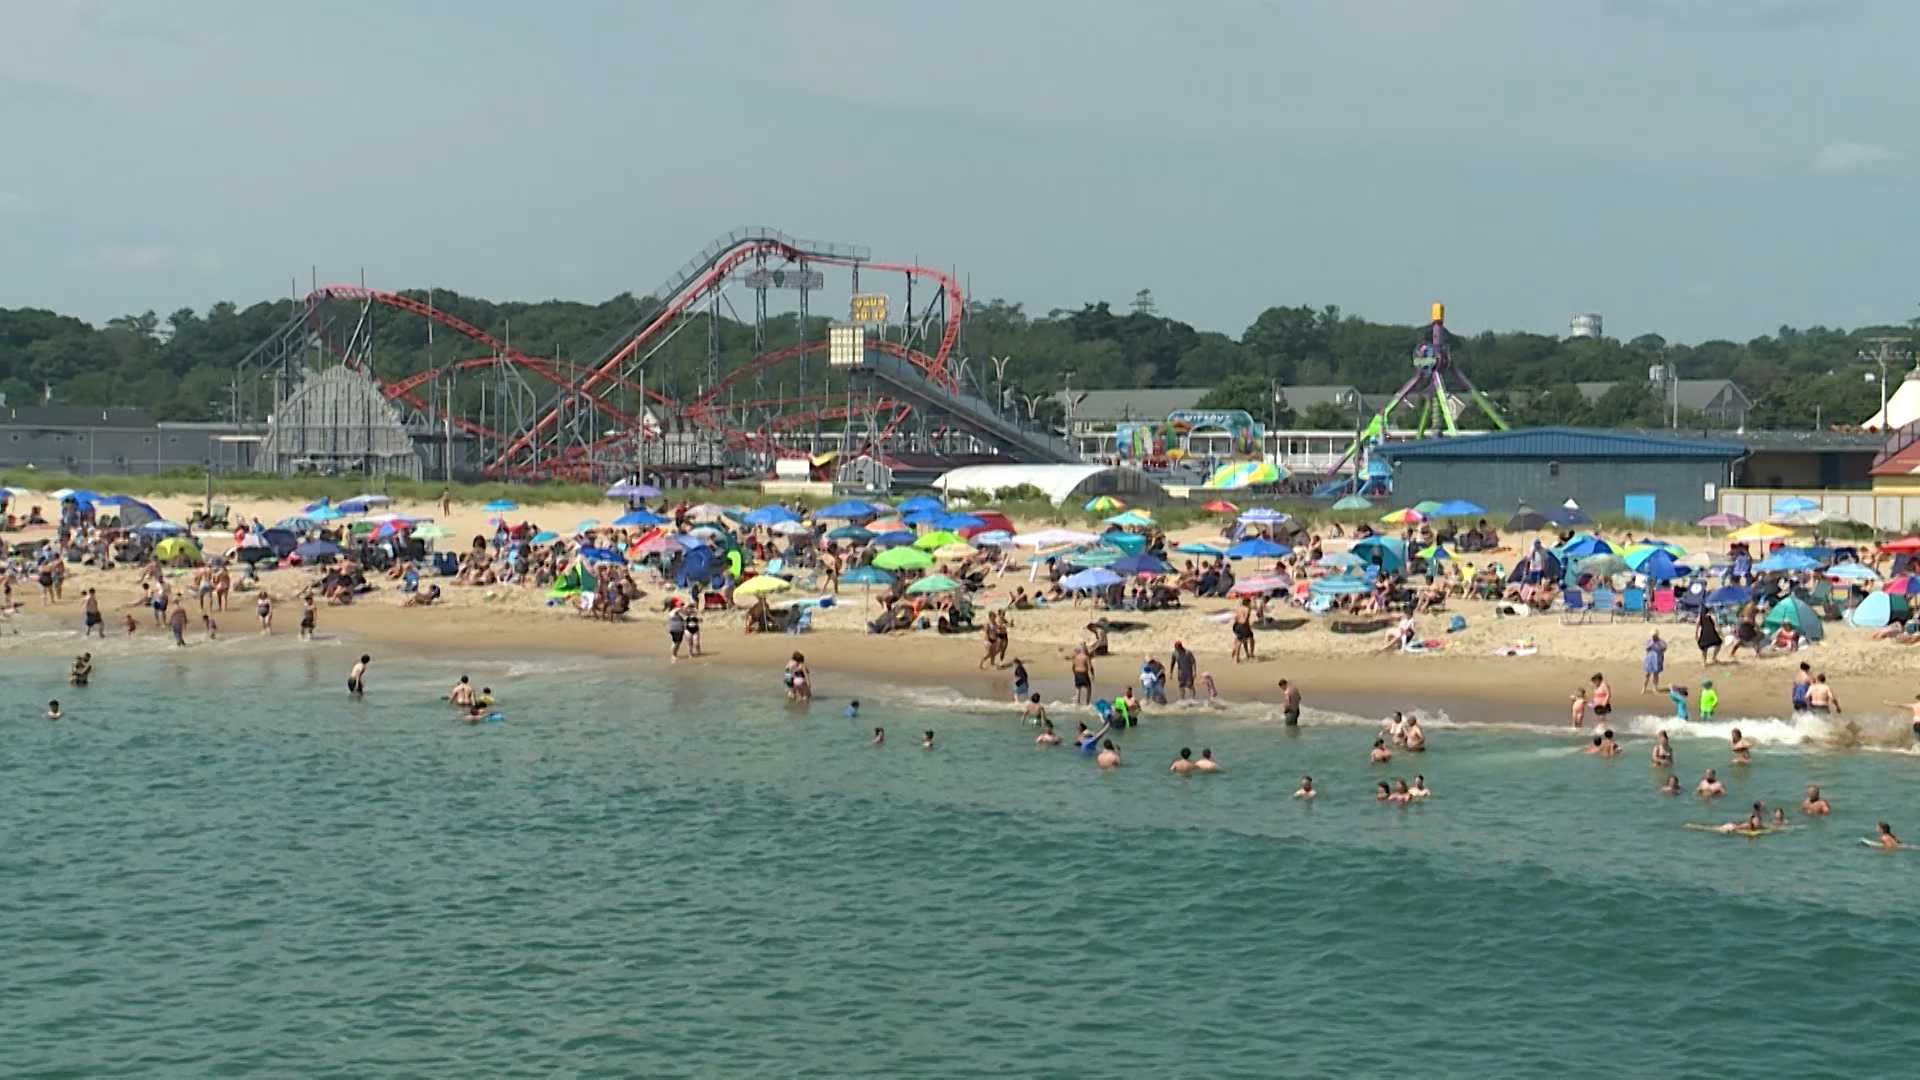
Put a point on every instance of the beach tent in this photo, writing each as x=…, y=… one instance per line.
x=178, y=551
x=571, y=582
x=1389, y=552
x=1873, y=612
x=699, y=565
x=1796, y=613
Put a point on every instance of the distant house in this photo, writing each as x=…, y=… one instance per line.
x=1099, y=411
x=1721, y=401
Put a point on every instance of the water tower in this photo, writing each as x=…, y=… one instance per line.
x=1584, y=326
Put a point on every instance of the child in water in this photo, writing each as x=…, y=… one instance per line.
x=1213, y=692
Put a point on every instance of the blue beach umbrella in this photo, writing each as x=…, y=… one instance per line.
x=921, y=504
x=1197, y=548
x=1729, y=596
x=316, y=550
x=1137, y=565
x=545, y=536
x=1097, y=578
x=851, y=510
x=851, y=532
x=866, y=575
x=1353, y=502
x=639, y=517
x=1258, y=548
x=1459, y=508
x=893, y=539
x=1795, y=504
x=325, y=513
x=956, y=522
x=768, y=515
x=1785, y=561
x=500, y=506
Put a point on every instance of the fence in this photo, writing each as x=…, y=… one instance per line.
x=1887, y=512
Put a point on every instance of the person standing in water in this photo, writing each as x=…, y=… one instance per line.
x=1802, y=682
x=1206, y=763
x=1082, y=665
x=1578, y=709
x=91, y=615
x=1821, y=699
x=1182, y=765
x=1662, y=752
x=1305, y=790
x=357, y=678
x=879, y=737
x=53, y=713
x=1109, y=755
x=1290, y=703
x=1602, y=697
x=177, y=622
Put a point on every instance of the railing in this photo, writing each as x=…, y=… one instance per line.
x=970, y=409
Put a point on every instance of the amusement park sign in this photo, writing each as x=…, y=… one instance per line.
x=869, y=308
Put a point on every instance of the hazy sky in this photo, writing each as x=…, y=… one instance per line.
x=1697, y=168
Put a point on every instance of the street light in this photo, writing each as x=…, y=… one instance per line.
x=999, y=383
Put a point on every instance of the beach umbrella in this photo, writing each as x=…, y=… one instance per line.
x=307, y=509
x=1220, y=506
x=1411, y=515
x=1794, y=504
x=1797, y=613
x=920, y=504
x=634, y=518
x=1130, y=519
x=993, y=538
x=1104, y=504
x=1194, y=547
x=657, y=544
x=939, y=538
x=1906, y=545
x=1342, y=560
x=954, y=551
x=693, y=539
x=1340, y=585
x=932, y=583
x=903, y=558
x=850, y=532
x=761, y=584
x=1902, y=585
x=1729, y=596
x=768, y=515
x=1353, y=502
x=429, y=532
x=1141, y=565
x=633, y=489
x=866, y=575
x=177, y=549
x=545, y=536
x=1256, y=586
x=1659, y=567
x=1527, y=519
x=1435, y=551
x=1045, y=538
x=1097, y=578
x=500, y=506
x=1802, y=519
x=602, y=554
x=1722, y=521
x=1640, y=553
x=318, y=551
x=851, y=510
x=1586, y=544
x=1262, y=515
x=1567, y=516
x=325, y=513
x=162, y=528
x=896, y=538
x=1760, y=531
x=1600, y=565
x=790, y=528
x=295, y=524
x=1784, y=561
x=956, y=522
x=1458, y=508
x=1094, y=556
x=1258, y=548
x=385, y=529
x=586, y=525
x=1852, y=571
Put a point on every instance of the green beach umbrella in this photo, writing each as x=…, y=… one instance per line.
x=1434, y=551
x=903, y=558
x=1354, y=502
x=938, y=539
x=933, y=583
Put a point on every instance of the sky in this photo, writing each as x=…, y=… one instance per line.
x=1693, y=168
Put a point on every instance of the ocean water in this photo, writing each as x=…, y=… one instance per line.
x=218, y=865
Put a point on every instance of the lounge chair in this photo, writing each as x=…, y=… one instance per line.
x=1633, y=602
x=1665, y=603
x=1576, y=609
x=1603, y=600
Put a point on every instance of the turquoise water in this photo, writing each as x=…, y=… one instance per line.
x=233, y=871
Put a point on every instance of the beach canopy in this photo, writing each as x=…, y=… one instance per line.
x=1262, y=515
x=1340, y=585
x=761, y=584
x=851, y=510
x=1353, y=502
x=500, y=506
x=1796, y=613
x=178, y=550
x=1784, y=561
x=866, y=575
x=768, y=515
x=903, y=558
x=1195, y=547
x=939, y=538
x=1722, y=521
x=850, y=532
x=1760, y=531
x=1220, y=506
x=1045, y=538
x=1458, y=508
x=932, y=583
x=1527, y=519
x=316, y=550
x=1130, y=519
x=633, y=489
x=1097, y=578
x=1258, y=548
x=1104, y=504
x=634, y=518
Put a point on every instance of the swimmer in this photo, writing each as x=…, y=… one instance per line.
x=879, y=737
x=1710, y=786
x=485, y=699
x=1289, y=700
x=1662, y=752
x=1401, y=796
x=1206, y=762
x=1598, y=746
x=1671, y=786
x=926, y=741
x=1019, y=679
x=1886, y=839
x=461, y=695
x=1419, y=790
x=1742, y=748
x=1397, y=728
x=1755, y=823
x=476, y=713
x=53, y=711
x=1608, y=748
x=1416, y=739
x=1046, y=736
x=1036, y=713
x=1815, y=804
x=1305, y=790
x=1109, y=755
x=357, y=678
x=1380, y=755
x=1183, y=764
x=1381, y=792
x=1083, y=737
x=852, y=711
x=1779, y=817
x=82, y=670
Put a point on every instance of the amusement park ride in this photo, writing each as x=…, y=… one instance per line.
x=903, y=388
x=1436, y=382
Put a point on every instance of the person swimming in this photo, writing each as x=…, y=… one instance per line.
x=1815, y=804
x=1305, y=790
x=1109, y=755
x=926, y=741
x=1662, y=751
x=1608, y=747
x=852, y=711
x=1400, y=796
x=1183, y=765
x=1671, y=786
x=1046, y=736
x=1419, y=789
x=1206, y=762
x=53, y=710
x=1742, y=748
x=1887, y=840
x=1710, y=786
x=1397, y=728
x=1779, y=817
x=879, y=737
x=1382, y=792
x=1755, y=824
x=1380, y=755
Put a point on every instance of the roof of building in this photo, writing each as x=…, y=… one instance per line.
x=1094, y=406
x=1058, y=481
x=1866, y=441
x=75, y=416
x=1695, y=394
x=1562, y=443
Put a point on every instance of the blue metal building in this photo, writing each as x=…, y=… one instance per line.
x=1643, y=476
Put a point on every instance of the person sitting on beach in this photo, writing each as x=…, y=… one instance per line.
x=1815, y=804
x=1710, y=786
x=424, y=598
x=1109, y=755
x=1182, y=765
x=1305, y=790
x=1671, y=786
x=1047, y=737
x=1380, y=755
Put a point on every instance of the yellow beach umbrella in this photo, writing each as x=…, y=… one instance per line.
x=1408, y=516
x=763, y=583
x=955, y=551
x=1760, y=530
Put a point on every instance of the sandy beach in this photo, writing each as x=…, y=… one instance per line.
x=1465, y=677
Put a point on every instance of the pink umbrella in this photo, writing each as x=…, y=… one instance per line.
x=660, y=544
x=1256, y=585
x=1723, y=521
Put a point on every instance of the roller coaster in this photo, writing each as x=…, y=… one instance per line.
x=540, y=418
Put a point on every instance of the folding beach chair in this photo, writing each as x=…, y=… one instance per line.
x=1633, y=602
x=1665, y=603
x=1576, y=609
x=1603, y=602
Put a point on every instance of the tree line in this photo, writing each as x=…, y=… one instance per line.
x=181, y=367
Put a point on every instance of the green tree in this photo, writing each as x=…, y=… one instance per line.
x=1248, y=392
x=1325, y=416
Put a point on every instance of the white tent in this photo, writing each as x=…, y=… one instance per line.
x=1903, y=407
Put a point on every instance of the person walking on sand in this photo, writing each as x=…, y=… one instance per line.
x=1706, y=634
x=1243, y=630
x=1082, y=665
x=1652, y=664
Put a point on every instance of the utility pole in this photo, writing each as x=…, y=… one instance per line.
x=1884, y=350
x=1066, y=378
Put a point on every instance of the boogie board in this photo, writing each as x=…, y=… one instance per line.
x=1700, y=827
x=1092, y=745
x=1875, y=844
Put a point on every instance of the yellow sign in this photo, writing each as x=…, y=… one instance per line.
x=869, y=308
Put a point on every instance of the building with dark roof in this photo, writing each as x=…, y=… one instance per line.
x=1721, y=401
x=1650, y=477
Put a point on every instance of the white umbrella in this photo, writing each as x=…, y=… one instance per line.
x=1053, y=538
x=789, y=528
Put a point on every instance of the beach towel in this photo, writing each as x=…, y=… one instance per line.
x=1523, y=647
